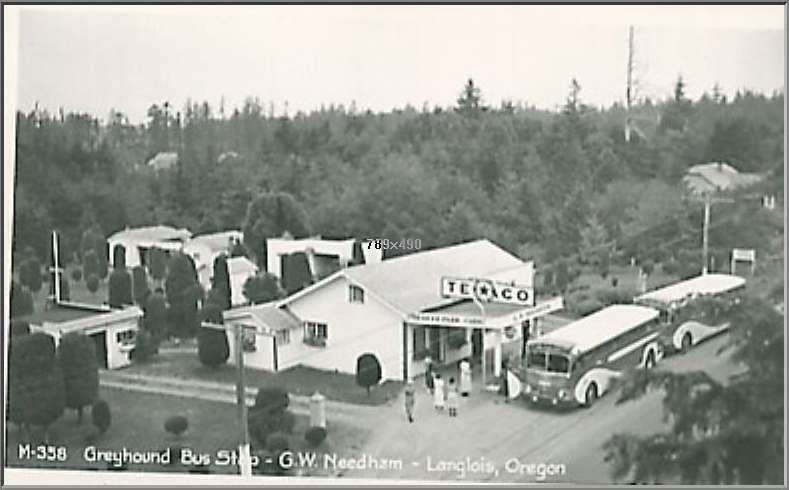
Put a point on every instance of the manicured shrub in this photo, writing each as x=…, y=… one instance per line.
x=183, y=291
x=101, y=416
x=220, y=283
x=65, y=291
x=80, y=371
x=76, y=275
x=615, y=296
x=176, y=425
x=157, y=263
x=120, y=288
x=145, y=347
x=368, y=371
x=270, y=414
x=315, y=436
x=140, y=289
x=154, y=318
x=262, y=288
x=36, y=394
x=586, y=307
x=212, y=347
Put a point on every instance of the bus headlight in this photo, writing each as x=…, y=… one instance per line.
x=527, y=389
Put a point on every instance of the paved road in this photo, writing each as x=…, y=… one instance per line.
x=489, y=432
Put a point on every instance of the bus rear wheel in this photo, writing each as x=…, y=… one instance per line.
x=687, y=342
x=591, y=395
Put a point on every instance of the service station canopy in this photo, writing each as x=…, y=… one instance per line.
x=470, y=314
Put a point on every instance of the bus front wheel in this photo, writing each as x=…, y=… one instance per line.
x=687, y=342
x=591, y=395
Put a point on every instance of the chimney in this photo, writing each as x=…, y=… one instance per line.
x=310, y=252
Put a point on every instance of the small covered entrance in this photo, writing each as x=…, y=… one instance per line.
x=484, y=334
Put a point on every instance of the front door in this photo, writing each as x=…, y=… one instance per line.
x=434, y=336
x=100, y=345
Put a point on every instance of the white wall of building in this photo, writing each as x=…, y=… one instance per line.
x=353, y=329
x=261, y=358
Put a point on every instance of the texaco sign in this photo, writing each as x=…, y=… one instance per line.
x=486, y=291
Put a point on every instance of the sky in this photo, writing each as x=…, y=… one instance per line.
x=94, y=58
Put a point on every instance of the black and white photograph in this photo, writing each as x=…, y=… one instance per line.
x=394, y=244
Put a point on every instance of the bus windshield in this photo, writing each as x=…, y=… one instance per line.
x=548, y=361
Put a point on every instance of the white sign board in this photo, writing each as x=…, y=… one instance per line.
x=446, y=319
x=747, y=255
x=486, y=291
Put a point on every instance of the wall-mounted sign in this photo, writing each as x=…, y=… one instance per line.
x=446, y=319
x=486, y=291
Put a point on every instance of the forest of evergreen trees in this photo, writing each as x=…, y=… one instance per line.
x=541, y=184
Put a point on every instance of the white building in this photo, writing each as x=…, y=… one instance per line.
x=395, y=310
x=112, y=331
x=204, y=249
x=239, y=269
x=715, y=177
x=324, y=256
x=137, y=242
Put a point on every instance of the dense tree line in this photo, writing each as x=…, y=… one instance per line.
x=532, y=181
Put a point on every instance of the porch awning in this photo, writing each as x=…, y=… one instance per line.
x=467, y=314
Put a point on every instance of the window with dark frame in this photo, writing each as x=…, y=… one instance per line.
x=355, y=294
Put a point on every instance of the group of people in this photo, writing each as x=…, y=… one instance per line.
x=445, y=394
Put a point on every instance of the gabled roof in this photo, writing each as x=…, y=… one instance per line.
x=411, y=283
x=155, y=233
x=598, y=328
x=267, y=314
x=717, y=176
x=216, y=242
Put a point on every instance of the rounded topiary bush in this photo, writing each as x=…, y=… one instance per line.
x=100, y=415
x=315, y=436
x=19, y=327
x=92, y=283
x=176, y=425
x=277, y=442
x=76, y=275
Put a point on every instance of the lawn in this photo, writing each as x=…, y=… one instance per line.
x=298, y=380
x=138, y=424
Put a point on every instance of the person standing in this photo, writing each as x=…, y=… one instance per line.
x=452, y=398
x=429, y=378
x=409, y=400
x=465, y=378
x=438, y=393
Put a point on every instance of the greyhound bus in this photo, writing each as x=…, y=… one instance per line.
x=576, y=364
x=686, y=327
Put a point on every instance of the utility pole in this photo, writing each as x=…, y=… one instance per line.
x=629, y=89
x=707, y=199
x=244, y=456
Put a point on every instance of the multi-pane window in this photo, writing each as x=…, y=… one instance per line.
x=249, y=338
x=355, y=294
x=125, y=337
x=315, y=329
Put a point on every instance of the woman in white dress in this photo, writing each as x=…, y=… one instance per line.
x=465, y=378
x=438, y=393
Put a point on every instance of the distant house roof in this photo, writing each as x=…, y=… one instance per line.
x=268, y=314
x=216, y=242
x=410, y=283
x=85, y=320
x=717, y=176
x=163, y=160
x=157, y=233
x=240, y=265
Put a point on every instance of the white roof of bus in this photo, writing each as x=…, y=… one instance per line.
x=599, y=327
x=704, y=284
